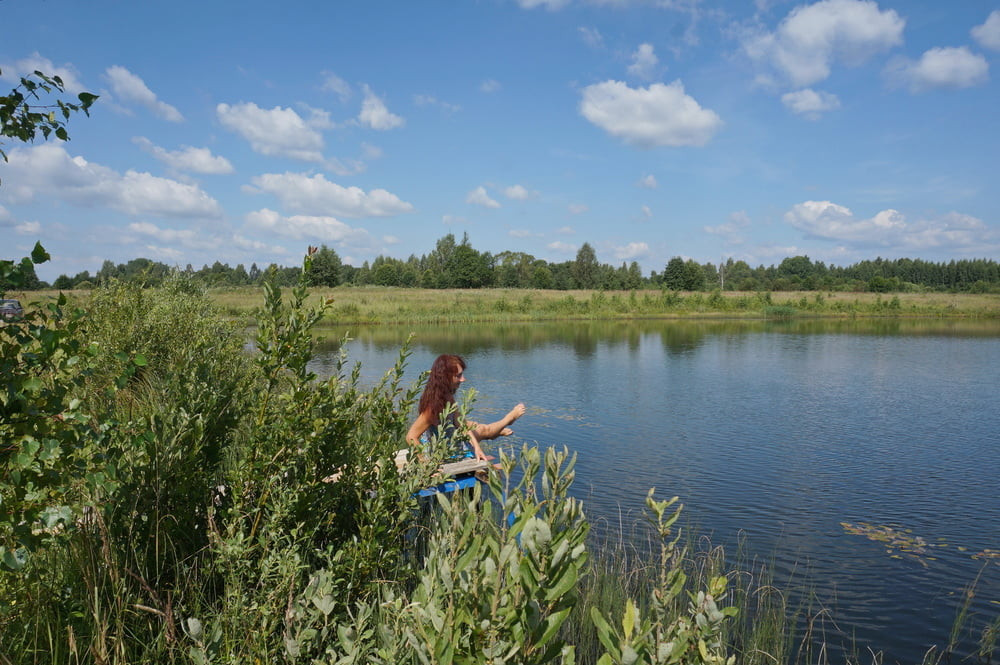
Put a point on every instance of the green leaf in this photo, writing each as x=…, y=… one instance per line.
x=15, y=560
x=38, y=254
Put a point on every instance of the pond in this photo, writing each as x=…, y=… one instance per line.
x=862, y=454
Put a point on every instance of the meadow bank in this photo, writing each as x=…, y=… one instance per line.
x=385, y=305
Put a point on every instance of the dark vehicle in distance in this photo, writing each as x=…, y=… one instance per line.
x=11, y=310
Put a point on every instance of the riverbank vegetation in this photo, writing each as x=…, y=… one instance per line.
x=388, y=305
x=166, y=498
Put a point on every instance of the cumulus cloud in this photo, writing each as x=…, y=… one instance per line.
x=129, y=88
x=577, y=208
x=315, y=195
x=26, y=66
x=517, y=193
x=940, y=68
x=547, y=4
x=479, y=197
x=633, y=250
x=376, y=115
x=646, y=212
x=566, y=230
x=277, y=132
x=48, y=171
x=953, y=232
x=660, y=115
x=524, y=233
x=562, y=247
x=644, y=62
x=591, y=37
x=309, y=227
x=988, y=34
x=810, y=103
x=489, y=86
x=732, y=229
x=431, y=100
x=813, y=37
x=187, y=238
x=648, y=181
x=336, y=85
x=28, y=228
x=193, y=160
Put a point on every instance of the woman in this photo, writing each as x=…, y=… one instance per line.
x=447, y=374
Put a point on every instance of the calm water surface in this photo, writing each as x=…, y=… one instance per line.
x=779, y=434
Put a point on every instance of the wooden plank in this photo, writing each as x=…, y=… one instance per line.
x=463, y=466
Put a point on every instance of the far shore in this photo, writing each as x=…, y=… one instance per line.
x=386, y=305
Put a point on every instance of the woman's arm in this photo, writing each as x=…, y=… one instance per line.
x=419, y=426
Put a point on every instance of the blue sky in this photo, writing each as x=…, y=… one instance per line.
x=839, y=129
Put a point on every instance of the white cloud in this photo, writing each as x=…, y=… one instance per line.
x=524, y=233
x=479, y=197
x=127, y=87
x=577, y=208
x=810, y=103
x=28, y=229
x=277, y=132
x=315, y=195
x=988, y=34
x=889, y=228
x=644, y=62
x=940, y=68
x=48, y=171
x=738, y=221
x=518, y=193
x=648, y=181
x=188, y=238
x=453, y=219
x=812, y=37
x=562, y=247
x=489, y=86
x=633, y=250
x=660, y=115
x=194, y=160
x=311, y=227
x=335, y=84
x=566, y=230
x=374, y=113
x=646, y=211
x=431, y=100
x=591, y=37
x=27, y=66
x=547, y=4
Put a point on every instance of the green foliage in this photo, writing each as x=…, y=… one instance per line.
x=25, y=112
x=665, y=634
x=52, y=449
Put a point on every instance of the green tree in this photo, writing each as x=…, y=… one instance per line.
x=325, y=270
x=468, y=269
x=586, y=269
x=674, y=274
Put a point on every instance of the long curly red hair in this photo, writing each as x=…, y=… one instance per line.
x=438, y=392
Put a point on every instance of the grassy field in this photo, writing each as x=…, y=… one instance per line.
x=375, y=305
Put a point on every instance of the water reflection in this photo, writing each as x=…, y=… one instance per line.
x=679, y=336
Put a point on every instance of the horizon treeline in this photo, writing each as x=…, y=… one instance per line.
x=453, y=264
